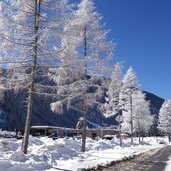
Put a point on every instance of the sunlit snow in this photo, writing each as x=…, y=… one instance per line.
x=64, y=154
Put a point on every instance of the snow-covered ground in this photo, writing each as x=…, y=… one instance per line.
x=64, y=154
x=168, y=164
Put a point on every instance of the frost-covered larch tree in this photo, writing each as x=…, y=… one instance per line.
x=130, y=85
x=88, y=38
x=165, y=118
x=6, y=27
x=112, y=106
x=142, y=117
x=34, y=30
x=88, y=41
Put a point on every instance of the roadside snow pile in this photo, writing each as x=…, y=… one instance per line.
x=64, y=154
x=168, y=164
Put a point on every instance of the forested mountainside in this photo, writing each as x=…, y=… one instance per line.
x=63, y=107
x=155, y=102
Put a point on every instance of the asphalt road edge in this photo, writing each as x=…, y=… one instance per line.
x=112, y=163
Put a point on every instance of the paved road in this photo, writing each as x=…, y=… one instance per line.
x=150, y=161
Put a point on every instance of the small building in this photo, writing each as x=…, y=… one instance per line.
x=69, y=132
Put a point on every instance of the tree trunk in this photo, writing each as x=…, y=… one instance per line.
x=85, y=52
x=83, y=146
x=84, y=97
x=28, y=120
x=120, y=136
x=169, y=137
x=142, y=138
x=139, y=132
x=31, y=89
x=139, y=138
x=131, y=122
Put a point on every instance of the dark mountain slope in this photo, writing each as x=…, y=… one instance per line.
x=67, y=106
x=155, y=101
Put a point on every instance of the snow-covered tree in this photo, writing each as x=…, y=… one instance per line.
x=130, y=85
x=112, y=106
x=165, y=118
x=34, y=32
x=88, y=43
x=142, y=117
x=88, y=40
x=5, y=28
x=136, y=113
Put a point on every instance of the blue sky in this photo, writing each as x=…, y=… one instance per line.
x=142, y=30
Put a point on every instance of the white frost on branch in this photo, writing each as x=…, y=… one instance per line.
x=112, y=105
x=141, y=116
x=99, y=50
x=57, y=107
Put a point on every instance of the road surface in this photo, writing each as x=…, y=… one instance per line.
x=150, y=161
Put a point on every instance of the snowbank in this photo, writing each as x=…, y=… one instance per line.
x=64, y=154
x=168, y=164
